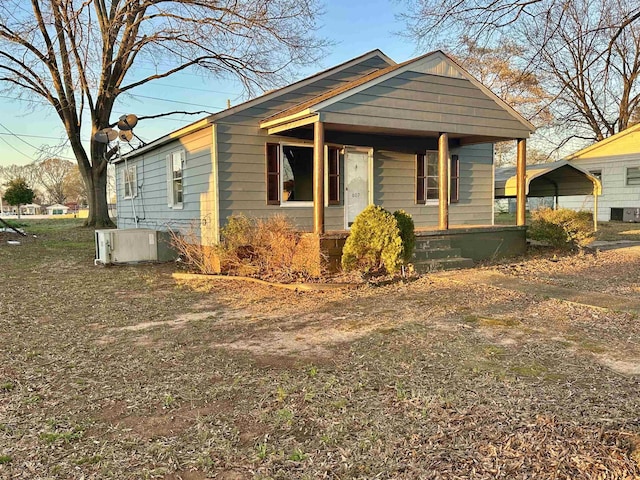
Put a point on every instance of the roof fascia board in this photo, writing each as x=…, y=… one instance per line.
x=292, y=123
x=444, y=57
x=301, y=83
x=602, y=143
x=278, y=121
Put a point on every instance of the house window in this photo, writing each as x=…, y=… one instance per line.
x=297, y=174
x=273, y=174
x=333, y=175
x=130, y=182
x=290, y=174
x=596, y=173
x=426, y=177
x=633, y=175
x=454, y=187
x=175, y=174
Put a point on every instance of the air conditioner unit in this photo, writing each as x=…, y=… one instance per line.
x=132, y=245
x=631, y=215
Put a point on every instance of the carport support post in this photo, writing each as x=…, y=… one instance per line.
x=318, y=178
x=443, y=181
x=595, y=208
x=521, y=168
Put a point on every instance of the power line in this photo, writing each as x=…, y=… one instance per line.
x=17, y=150
x=44, y=102
x=174, y=101
x=37, y=149
x=23, y=141
x=29, y=136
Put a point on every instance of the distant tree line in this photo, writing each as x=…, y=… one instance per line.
x=52, y=181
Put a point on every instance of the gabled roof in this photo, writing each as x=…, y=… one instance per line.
x=301, y=83
x=202, y=123
x=355, y=86
x=564, y=177
x=609, y=145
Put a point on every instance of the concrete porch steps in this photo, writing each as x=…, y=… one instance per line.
x=436, y=253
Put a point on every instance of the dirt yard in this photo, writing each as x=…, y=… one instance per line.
x=529, y=369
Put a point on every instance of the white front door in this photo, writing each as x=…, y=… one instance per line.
x=356, y=184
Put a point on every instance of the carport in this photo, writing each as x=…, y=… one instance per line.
x=550, y=180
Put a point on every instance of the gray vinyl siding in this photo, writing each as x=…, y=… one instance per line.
x=394, y=186
x=151, y=204
x=615, y=192
x=427, y=103
x=241, y=155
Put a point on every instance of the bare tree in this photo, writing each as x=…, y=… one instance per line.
x=75, y=189
x=53, y=174
x=82, y=56
x=583, y=53
x=500, y=69
x=25, y=172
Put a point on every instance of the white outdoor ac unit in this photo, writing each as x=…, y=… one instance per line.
x=132, y=245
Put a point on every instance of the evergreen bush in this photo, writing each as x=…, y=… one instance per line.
x=374, y=242
x=562, y=228
x=407, y=234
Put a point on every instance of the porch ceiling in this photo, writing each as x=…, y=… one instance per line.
x=303, y=129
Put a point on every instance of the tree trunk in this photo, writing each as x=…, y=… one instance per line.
x=97, y=193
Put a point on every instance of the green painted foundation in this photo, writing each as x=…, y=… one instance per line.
x=484, y=243
x=476, y=243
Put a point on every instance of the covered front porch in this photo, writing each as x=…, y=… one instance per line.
x=433, y=189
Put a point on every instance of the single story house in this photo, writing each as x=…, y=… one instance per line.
x=57, y=209
x=615, y=161
x=417, y=135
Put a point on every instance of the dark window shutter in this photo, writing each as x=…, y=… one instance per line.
x=454, y=190
x=273, y=174
x=420, y=178
x=333, y=175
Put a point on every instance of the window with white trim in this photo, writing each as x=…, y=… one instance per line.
x=130, y=181
x=175, y=176
x=426, y=176
x=633, y=176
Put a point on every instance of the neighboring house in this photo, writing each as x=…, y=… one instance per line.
x=30, y=209
x=416, y=136
x=57, y=209
x=615, y=161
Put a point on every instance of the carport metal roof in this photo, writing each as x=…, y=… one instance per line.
x=548, y=180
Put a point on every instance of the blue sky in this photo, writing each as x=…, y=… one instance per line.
x=356, y=27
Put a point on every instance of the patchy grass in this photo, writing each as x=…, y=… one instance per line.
x=120, y=372
x=613, y=231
